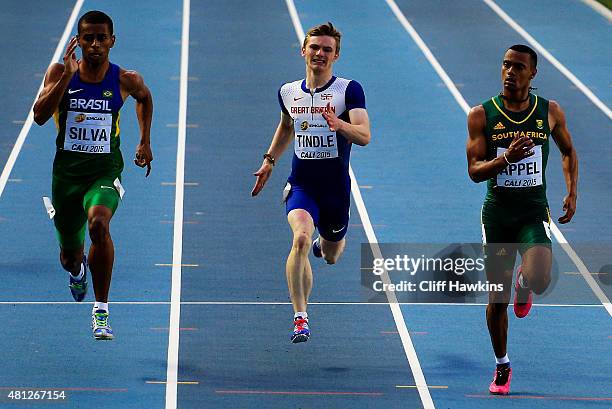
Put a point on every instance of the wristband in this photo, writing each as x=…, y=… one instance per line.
x=270, y=158
x=506, y=159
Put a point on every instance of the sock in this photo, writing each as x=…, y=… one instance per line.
x=503, y=360
x=79, y=276
x=302, y=314
x=100, y=306
x=522, y=281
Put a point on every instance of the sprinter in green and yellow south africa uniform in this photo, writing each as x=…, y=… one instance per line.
x=85, y=97
x=508, y=145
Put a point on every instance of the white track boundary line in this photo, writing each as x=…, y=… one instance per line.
x=544, y=52
x=600, y=8
x=409, y=350
x=253, y=303
x=25, y=129
x=466, y=108
x=177, y=252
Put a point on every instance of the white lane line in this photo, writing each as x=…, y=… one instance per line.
x=544, y=52
x=25, y=129
x=466, y=108
x=396, y=311
x=177, y=252
x=600, y=8
x=253, y=303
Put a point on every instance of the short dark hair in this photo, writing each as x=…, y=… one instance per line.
x=327, y=29
x=95, y=17
x=522, y=48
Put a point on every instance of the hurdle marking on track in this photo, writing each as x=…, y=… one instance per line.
x=327, y=393
x=184, y=184
x=184, y=222
x=429, y=386
x=187, y=125
x=172, y=265
x=4, y=388
x=578, y=398
x=178, y=382
x=18, y=122
x=180, y=329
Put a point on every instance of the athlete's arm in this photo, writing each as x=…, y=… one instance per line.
x=481, y=169
x=280, y=142
x=357, y=131
x=569, y=159
x=133, y=85
x=57, y=78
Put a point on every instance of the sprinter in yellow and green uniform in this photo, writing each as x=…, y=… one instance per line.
x=84, y=97
x=508, y=145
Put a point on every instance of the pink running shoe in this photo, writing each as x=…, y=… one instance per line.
x=501, y=380
x=522, y=303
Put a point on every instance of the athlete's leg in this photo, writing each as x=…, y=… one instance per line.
x=102, y=251
x=333, y=224
x=536, y=265
x=299, y=272
x=332, y=250
x=497, y=308
x=71, y=259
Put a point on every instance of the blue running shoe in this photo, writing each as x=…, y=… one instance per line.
x=316, y=247
x=99, y=324
x=78, y=288
x=301, y=332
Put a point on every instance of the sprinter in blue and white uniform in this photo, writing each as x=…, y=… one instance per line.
x=323, y=115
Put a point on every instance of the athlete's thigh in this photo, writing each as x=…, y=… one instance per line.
x=335, y=213
x=300, y=198
x=70, y=217
x=499, y=238
x=102, y=193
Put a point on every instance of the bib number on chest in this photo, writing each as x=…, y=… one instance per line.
x=314, y=140
x=526, y=173
x=88, y=132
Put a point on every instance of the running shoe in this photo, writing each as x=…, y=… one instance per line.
x=78, y=288
x=99, y=324
x=301, y=332
x=523, y=298
x=501, y=380
x=316, y=247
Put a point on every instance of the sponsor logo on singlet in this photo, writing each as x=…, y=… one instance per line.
x=88, y=132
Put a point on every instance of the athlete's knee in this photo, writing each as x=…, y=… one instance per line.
x=497, y=308
x=99, y=229
x=540, y=283
x=301, y=241
x=70, y=261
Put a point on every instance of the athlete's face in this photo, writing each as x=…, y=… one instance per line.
x=320, y=53
x=517, y=70
x=95, y=41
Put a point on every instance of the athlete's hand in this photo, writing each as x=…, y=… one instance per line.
x=263, y=174
x=569, y=207
x=334, y=123
x=70, y=62
x=519, y=149
x=144, y=157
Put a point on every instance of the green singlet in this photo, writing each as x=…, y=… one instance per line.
x=515, y=209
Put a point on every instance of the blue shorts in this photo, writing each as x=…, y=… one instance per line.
x=330, y=211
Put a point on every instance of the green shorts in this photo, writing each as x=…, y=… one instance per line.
x=72, y=201
x=508, y=229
